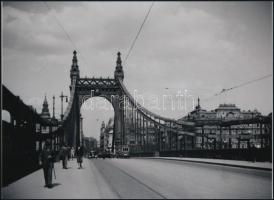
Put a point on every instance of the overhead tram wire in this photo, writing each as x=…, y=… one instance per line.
x=138, y=33
x=66, y=33
x=238, y=86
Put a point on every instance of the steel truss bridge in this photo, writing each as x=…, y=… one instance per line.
x=132, y=122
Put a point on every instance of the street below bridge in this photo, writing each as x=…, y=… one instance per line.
x=145, y=178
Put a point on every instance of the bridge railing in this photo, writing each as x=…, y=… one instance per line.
x=152, y=132
x=157, y=119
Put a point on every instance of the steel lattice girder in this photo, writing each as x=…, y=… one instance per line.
x=97, y=83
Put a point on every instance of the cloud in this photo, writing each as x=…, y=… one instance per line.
x=39, y=7
x=203, y=47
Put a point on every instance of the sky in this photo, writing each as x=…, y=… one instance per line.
x=197, y=48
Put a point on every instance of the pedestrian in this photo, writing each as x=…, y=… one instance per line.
x=72, y=153
x=64, y=156
x=80, y=154
x=47, y=160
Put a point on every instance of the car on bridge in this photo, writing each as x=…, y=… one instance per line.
x=92, y=154
x=123, y=152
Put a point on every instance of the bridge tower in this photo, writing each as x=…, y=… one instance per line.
x=82, y=89
x=119, y=73
x=119, y=118
x=74, y=71
x=72, y=138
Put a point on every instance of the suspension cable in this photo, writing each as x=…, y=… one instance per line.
x=238, y=86
x=139, y=31
x=66, y=33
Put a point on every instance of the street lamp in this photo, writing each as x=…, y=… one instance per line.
x=62, y=96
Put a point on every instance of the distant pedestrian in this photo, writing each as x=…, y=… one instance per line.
x=47, y=159
x=72, y=153
x=64, y=155
x=80, y=154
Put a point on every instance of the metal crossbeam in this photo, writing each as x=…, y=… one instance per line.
x=97, y=83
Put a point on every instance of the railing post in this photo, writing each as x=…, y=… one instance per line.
x=221, y=138
x=138, y=133
x=170, y=137
x=177, y=141
x=261, y=134
x=144, y=136
x=135, y=133
x=230, y=144
x=147, y=136
x=203, y=137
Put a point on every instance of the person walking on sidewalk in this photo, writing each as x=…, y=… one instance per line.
x=47, y=159
x=72, y=153
x=80, y=154
x=64, y=156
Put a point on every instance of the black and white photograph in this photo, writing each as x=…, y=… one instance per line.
x=136, y=99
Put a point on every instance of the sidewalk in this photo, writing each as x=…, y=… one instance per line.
x=69, y=183
x=233, y=163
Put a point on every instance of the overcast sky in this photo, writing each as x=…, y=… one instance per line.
x=203, y=47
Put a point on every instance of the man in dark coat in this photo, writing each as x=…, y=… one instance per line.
x=47, y=158
x=80, y=154
x=64, y=156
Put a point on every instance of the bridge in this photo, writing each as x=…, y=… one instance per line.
x=153, y=134
x=130, y=118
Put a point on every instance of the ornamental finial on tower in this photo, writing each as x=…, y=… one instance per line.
x=198, y=106
x=119, y=73
x=45, y=100
x=74, y=71
x=119, y=61
x=74, y=60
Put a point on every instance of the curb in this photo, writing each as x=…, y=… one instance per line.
x=212, y=163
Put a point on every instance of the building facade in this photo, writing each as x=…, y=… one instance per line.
x=227, y=127
x=90, y=144
x=106, y=136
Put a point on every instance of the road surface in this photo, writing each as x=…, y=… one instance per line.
x=147, y=178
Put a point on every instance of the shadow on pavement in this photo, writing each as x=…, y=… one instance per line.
x=55, y=184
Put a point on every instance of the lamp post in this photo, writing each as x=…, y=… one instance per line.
x=62, y=96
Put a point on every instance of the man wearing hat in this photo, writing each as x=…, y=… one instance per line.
x=47, y=158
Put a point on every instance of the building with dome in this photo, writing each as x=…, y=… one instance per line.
x=229, y=127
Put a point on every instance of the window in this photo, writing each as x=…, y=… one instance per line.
x=6, y=116
x=37, y=126
x=37, y=145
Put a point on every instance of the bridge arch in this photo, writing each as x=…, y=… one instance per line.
x=94, y=112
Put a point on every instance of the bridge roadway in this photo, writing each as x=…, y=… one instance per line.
x=145, y=178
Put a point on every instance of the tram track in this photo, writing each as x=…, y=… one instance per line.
x=123, y=184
